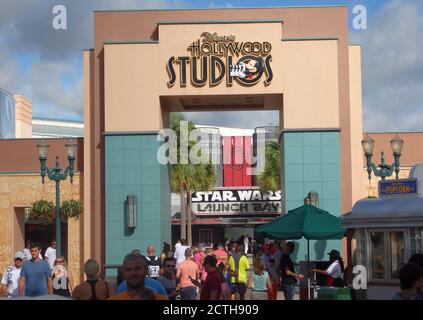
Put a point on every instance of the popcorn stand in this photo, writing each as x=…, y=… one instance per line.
x=383, y=233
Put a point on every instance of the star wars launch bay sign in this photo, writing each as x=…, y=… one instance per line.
x=216, y=57
x=236, y=202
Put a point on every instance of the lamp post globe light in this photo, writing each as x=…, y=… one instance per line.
x=385, y=170
x=57, y=174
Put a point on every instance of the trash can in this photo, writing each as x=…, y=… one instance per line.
x=314, y=289
x=304, y=293
x=332, y=293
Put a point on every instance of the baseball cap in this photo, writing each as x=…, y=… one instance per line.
x=334, y=253
x=19, y=255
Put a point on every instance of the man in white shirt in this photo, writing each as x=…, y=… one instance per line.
x=180, y=252
x=50, y=255
x=26, y=251
x=10, y=281
x=246, y=243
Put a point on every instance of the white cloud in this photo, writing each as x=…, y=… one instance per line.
x=43, y=85
x=392, y=56
x=392, y=50
x=26, y=29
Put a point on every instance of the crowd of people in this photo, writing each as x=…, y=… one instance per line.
x=31, y=275
x=186, y=273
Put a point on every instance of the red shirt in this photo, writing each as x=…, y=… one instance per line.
x=213, y=283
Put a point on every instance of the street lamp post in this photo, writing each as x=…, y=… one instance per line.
x=57, y=174
x=385, y=170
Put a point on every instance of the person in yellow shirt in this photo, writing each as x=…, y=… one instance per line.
x=134, y=272
x=238, y=266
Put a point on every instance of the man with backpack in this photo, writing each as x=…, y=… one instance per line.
x=154, y=263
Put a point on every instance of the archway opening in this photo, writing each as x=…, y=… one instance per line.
x=232, y=124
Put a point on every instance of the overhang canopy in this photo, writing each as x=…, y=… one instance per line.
x=385, y=212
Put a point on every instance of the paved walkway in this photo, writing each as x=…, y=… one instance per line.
x=280, y=293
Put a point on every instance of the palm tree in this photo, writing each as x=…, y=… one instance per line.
x=270, y=178
x=187, y=178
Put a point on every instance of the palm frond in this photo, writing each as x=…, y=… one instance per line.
x=191, y=176
x=269, y=179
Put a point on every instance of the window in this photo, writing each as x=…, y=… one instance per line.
x=396, y=243
x=416, y=240
x=377, y=256
x=387, y=254
x=359, y=247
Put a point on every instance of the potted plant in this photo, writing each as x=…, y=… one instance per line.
x=71, y=209
x=42, y=210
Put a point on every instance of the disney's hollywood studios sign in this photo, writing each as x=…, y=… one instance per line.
x=216, y=57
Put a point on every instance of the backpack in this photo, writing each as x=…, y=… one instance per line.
x=153, y=267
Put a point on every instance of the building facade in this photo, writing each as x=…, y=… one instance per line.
x=20, y=187
x=56, y=128
x=147, y=64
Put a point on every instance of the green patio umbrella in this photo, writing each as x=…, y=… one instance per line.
x=306, y=221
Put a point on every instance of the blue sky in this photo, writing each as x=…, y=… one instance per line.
x=50, y=62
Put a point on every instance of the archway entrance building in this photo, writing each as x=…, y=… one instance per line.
x=146, y=64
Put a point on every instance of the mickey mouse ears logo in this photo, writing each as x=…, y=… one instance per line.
x=248, y=69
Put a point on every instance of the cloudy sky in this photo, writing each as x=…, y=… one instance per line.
x=46, y=64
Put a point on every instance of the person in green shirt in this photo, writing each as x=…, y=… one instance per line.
x=238, y=266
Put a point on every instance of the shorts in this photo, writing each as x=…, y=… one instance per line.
x=259, y=295
x=240, y=288
x=189, y=293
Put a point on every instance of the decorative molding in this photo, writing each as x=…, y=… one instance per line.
x=131, y=42
x=217, y=22
x=130, y=133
